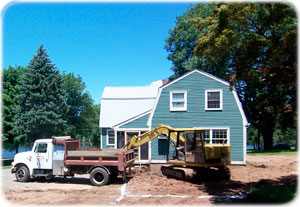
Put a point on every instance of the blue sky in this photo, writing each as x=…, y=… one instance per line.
x=107, y=44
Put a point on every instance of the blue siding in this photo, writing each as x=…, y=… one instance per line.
x=103, y=139
x=196, y=116
x=159, y=149
x=137, y=123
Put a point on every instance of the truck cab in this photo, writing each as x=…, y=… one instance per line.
x=34, y=163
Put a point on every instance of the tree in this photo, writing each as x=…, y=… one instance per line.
x=42, y=106
x=11, y=88
x=259, y=42
x=181, y=43
x=74, y=87
x=83, y=116
x=90, y=124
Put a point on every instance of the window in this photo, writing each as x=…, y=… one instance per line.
x=219, y=135
x=41, y=148
x=213, y=100
x=178, y=101
x=216, y=136
x=207, y=136
x=110, y=137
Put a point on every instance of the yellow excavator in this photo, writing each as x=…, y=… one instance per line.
x=190, y=150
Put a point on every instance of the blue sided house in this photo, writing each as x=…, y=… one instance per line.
x=196, y=99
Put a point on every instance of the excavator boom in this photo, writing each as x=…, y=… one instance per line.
x=137, y=141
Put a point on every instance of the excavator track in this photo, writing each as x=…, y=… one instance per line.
x=171, y=172
x=213, y=174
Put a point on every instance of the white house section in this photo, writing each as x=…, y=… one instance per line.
x=119, y=104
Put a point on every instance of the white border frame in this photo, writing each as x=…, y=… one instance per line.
x=185, y=101
x=221, y=100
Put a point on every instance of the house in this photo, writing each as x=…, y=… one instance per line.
x=196, y=99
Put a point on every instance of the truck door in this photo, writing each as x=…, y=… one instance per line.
x=43, y=156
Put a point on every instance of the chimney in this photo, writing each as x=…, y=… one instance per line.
x=164, y=82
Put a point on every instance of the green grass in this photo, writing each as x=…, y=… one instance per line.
x=276, y=194
x=6, y=163
x=271, y=152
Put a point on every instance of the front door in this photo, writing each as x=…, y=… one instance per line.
x=42, y=158
x=141, y=153
x=129, y=135
x=120, y=140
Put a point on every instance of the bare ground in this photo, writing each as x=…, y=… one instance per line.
x=153, y=188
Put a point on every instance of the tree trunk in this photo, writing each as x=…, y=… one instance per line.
x=267, y=134
x=17, y=148
x=258, y=139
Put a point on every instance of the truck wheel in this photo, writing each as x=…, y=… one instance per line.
x=99, y=177
x=22, y=174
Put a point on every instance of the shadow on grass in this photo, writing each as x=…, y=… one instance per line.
x=265, y=191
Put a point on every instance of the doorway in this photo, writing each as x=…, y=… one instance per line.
x=141, y=153
x=144, y=151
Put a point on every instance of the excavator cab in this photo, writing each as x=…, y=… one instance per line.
x=194, y=146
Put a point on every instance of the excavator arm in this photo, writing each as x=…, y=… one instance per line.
x=137, y=141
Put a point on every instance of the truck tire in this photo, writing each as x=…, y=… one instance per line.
x=22, y=174
x=99, y=177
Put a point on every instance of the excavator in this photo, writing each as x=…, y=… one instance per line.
x=190, y=150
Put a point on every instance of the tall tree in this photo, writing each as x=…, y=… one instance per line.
x=181, y=43
x=259, y=42
x=11, y=88
x=42, y=106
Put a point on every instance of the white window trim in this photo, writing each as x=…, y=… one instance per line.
x=221, y=100
x=184, y=108
x=107, y=143
x=217, y=128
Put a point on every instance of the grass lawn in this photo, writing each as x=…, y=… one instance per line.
x=271, y=152
x=275, y=194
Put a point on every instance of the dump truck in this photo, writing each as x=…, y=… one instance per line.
x=190, y=150
x=63, y=156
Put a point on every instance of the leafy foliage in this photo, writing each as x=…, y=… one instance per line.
x=252, y=45
x=260, y=41
x=11, y=78
x=181, y=42
x=83, y=116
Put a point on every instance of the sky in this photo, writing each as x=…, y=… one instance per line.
x=107, y=44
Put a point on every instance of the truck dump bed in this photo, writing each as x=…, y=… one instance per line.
x=74, y=155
